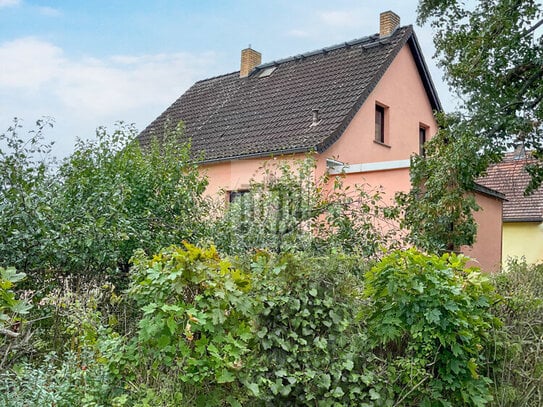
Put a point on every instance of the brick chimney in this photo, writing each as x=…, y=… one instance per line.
x=249, y=59
x=388, y=22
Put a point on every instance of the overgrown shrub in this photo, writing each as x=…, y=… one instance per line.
x=289, y=208
x=64, y=381
x=74, y=318
x=12, y=311
x=26, y=193
x=116, y=197
x=518, y=354
x=430, y=320
x=311, y=346
x=195, y=326
x=86, y=216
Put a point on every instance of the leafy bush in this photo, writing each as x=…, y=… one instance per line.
x=12, y=309
x=518, y=354
x=26, y=190
x=117, y=197
x=72, y=319
x=88, y=215
x=430, y=319
x=311, y=348
x=66, y=381
x=196, y=323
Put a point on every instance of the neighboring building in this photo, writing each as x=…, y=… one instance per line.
x=522, y=233
x=364, y=107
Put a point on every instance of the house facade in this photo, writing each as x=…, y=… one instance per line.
x=364, y=107
x=522, y=232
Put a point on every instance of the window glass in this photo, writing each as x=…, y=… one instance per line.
x=379, y=123
x=422, y=141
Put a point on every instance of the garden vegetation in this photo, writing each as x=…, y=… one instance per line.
x=122, y=284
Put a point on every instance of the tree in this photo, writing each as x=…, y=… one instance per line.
x=109, y=198
x=439, y=207
x=492, y=55
x=116, y=196
x=26, y=186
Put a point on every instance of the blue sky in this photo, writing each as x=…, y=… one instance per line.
x=92, y=63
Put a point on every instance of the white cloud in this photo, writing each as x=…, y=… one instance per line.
x=29, y=63
x=9, y=3
x=122, y=83
x=298, y=33
x=38, y=78
x=339, y=18
x=49, y=11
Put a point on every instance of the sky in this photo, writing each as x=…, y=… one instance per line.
x=94, y=63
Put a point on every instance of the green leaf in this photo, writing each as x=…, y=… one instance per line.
x=324, y=381
x=374, y=395
x=253, y=387
x=338, y=392
x=225, y=376
x=21, y=307
x=172, y=324
x=433, y=316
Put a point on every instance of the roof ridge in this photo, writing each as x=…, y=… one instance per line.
x=373, y=38
x=216, y=77
x=257, y=117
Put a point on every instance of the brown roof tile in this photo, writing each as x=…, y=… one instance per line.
x=511, y=178
x=229, y=117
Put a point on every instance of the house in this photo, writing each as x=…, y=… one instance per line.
x=522, y=232
x=364, y=107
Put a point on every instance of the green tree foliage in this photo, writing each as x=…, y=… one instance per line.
x=116, y=197
x=430, y=319
x=26, y=193
x=438, y=210
x=492, y=53
x=109, y=198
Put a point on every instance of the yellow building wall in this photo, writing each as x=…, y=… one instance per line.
x=522, y=239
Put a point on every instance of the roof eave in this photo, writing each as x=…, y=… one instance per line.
x=269, y=154
x=424, y=72
x=489, y=192
x=336, y=134
x=523, y=220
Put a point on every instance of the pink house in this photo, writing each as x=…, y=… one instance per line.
x=364, y=107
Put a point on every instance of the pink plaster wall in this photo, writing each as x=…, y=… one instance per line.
x=487, y=250
x=402, y=92
x=237, y=174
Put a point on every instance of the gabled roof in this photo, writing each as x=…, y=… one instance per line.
x=511, y=178
x=228, y=117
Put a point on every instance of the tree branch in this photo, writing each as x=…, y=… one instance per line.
x=9, y=333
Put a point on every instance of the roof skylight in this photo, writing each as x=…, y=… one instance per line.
x=267, y=72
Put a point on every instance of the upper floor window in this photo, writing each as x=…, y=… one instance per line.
x=379, y=124
x=422, y=140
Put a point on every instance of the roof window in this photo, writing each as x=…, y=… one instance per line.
x=267, y=72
